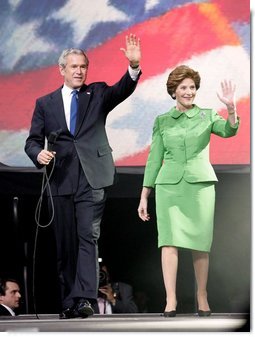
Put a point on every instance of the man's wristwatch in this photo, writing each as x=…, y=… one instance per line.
x=114, y=299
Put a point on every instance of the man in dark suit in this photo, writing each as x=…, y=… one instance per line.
x=83, y=167
x=9, y=296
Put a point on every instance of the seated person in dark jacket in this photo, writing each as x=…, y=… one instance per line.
x=9, y=296
x=114, y=297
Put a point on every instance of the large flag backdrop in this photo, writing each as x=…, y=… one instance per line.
x=213, y=37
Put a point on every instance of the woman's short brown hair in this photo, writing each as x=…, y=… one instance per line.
x=178, y=75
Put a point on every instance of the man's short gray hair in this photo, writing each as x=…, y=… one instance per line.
x=66, y=52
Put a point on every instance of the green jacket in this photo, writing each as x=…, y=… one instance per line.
x=180, y=146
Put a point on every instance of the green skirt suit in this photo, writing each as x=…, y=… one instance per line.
x=179, y=169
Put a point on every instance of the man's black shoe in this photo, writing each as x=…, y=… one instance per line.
x=81, y=309
x=69, y=313
x=84, y=308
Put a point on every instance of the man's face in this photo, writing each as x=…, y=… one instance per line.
x=75, y=71
x=12, y=295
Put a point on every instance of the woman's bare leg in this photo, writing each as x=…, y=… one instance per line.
x=201, y=268
x=169, y=262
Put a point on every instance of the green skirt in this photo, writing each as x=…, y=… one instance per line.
x=185, y=215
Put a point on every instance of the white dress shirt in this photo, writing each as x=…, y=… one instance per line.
x=67, y=97
x=104, y=306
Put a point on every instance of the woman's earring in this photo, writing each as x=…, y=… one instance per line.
x=173, y=95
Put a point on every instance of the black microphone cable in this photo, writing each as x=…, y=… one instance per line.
x=45, y=184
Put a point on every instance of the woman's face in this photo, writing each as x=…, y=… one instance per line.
x=185, y=94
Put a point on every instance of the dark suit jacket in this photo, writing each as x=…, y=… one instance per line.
x=4, y=311
x=89, y=146
x=124, y=300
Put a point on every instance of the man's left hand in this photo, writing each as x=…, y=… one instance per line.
x=133, y=50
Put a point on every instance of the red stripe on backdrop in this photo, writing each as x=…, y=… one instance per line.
x=163, y=47
x=234, y=150
x=166, y=41
x=238, y=11
x=19, y=93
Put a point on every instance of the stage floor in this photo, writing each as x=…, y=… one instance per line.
x=127, y=323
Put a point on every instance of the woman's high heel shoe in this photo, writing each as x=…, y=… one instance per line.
x=203, y=313
x=171, y=313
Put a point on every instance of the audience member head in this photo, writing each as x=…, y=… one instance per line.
x=10, y=293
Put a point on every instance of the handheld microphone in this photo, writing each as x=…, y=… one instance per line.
x=52, y=139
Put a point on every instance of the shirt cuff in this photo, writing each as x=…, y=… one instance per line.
x=134, y=72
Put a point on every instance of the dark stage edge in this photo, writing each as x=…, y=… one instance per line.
x=127, y=323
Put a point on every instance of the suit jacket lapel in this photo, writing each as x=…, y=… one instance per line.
x=58, y=109
x=84, y=98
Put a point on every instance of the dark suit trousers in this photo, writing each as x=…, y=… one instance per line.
x=77, y=229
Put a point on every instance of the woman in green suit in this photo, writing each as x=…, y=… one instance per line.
x=179, y=169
